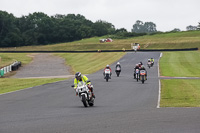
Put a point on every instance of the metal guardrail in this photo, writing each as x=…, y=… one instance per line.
x=93, y=51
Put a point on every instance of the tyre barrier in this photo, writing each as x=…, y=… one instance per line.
x=13, y=67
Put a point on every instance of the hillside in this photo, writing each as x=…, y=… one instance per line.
x=177, y=40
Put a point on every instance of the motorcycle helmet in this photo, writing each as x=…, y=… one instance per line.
x=107, y=66
x=78, y=75
x=118, y=63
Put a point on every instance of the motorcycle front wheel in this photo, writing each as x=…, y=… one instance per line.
x=143, y=79
x=84, y=100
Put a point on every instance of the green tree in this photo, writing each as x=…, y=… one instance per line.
x=9, y=33
x=190, y=27
x=147, y=27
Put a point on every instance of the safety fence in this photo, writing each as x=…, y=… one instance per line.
x=13, y=67
x=93, y=51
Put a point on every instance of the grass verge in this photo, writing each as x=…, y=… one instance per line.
x=180, y=64
x=180, y=93
x=9, y=58
x=88, y=63
x=11, y=84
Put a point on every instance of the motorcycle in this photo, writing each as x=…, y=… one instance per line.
x=142, y=75
x=107, y=74
x=137, y=74
x=149, y=64
x=118, y=70
x=85, y=94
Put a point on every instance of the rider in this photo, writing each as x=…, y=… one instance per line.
x=118, y=65
x=136, y=67
x=152, y=60
x=142, y=68
x=79, y=78
x=149, y=60
x=139, y=64
x=107, y=67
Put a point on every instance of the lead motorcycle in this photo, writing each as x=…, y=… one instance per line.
x=143, y=75
x=85, y=94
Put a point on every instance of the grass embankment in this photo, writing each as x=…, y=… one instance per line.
x=86, y=63
x=178, y=40
x=180, y=92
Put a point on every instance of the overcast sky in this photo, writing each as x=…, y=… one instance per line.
x=166, y=14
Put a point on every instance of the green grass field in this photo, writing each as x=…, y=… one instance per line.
x=180, y=64
x=180, y=93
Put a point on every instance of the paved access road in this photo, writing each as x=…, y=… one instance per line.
x=122, y=106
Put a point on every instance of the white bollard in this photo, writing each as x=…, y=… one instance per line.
x=4, y=70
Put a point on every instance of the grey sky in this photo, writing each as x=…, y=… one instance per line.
x=166, y=14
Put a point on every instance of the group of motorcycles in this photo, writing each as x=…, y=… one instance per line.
x=150, y=63
x=107, y=73
x=86, y=95
x=141, y=74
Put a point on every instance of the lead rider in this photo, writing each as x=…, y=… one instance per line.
x=79, y=78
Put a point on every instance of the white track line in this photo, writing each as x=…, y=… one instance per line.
x=159, y=91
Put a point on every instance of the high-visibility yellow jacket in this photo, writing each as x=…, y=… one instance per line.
x=152, y=60
x=84, y=79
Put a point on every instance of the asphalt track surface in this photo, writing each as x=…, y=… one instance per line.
x=122, y=105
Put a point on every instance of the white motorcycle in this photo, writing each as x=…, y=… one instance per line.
x=118, y=70
x=107, y=74
x=149, y=64
x=85, y=94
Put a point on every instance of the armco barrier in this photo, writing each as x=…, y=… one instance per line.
x=93, y=51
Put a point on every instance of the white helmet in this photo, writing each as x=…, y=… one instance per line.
x=107, y=66
x=118, y=63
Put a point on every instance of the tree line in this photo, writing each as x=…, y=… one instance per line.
x=39, y=29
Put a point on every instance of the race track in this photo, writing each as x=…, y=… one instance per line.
x=122, y=105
